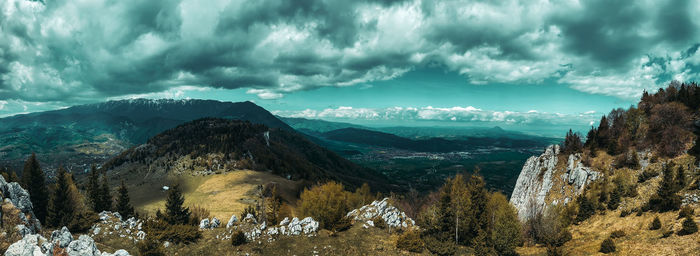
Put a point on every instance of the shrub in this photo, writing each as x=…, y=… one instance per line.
x=238, y=238
x=586, y=209
x=150, y=247
x=179, y=233
x=410, y=241
x=655, y=224
x=379, y=222
x=199, y=213
x=617, y=234
x=439, y=247
x=666, y=232
x=689, y=226
x=326, y=203
x=607, y=246
x=685, y=212
x=625, y=213
x=554, y=251
x=344, y=224
x=647, y=174
x=83, y=221
x=547, y=229
x=249, y=210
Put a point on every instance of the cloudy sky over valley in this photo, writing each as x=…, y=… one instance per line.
x=508, y=63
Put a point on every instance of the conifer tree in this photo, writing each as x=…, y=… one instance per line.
x=666, y=198
x=592, y=139
x=124, y=206
x=680, y=179
x=585, y=208
x=34, y=180
x=175, y=213
x=93, y=190
x=105, y=196
x=603, y=133
x=61, y=206
x=615, y=197
x=439, y=238
x=479, y=228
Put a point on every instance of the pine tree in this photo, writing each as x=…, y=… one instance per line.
x=615, y=197
x=572, y=143
x=439, y=238
x=680, y=179
x=666, y=198
x=480, y=226
x=105, y=196
x=93, y=190
x=603, y=134
x=34, y=180
x=592, y=139
x=689, y=226
x=61, y=206
x=123, y=203
x=585, y=208
x=175, y=213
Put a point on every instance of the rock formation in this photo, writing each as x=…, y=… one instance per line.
x=16, y=199
x=111, y=224
x=534, y=187
x=61, y=241
x=391, y=215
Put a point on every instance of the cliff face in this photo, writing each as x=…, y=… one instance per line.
x=543, y=181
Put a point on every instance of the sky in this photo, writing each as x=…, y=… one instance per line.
x=525, y=65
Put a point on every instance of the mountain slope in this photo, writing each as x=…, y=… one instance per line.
x=212, y=145
x=83, y=133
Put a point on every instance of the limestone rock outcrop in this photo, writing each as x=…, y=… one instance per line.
x=13, y=196
x=534, y=188
x=37, y=245
x=391, y=215
x=534, y=182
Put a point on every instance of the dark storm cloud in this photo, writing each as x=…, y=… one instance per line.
x=82, y=51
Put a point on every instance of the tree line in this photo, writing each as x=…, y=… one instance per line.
x=661, y=121
x=60, y=203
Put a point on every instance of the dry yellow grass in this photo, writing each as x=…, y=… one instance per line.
x=639, y=240
x=222, y=194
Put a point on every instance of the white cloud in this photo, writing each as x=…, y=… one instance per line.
x=457, y=114
x=72, y=50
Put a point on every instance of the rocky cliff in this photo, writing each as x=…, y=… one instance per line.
x=551, y=178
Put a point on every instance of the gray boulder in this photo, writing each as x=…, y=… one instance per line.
x=19, y=197
x=204, y=224
x=215, y=223
x=28, y=246
x=231, y=221
x=84, y=246
x=61, y=237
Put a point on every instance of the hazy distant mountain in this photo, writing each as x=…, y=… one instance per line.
x=381, y=139
x=316, y=125
x=82, y=133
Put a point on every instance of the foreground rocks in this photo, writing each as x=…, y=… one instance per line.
x=391, y=215
x=254, y=231
x=111, y=224
x=61, y=242
x=17, y=206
